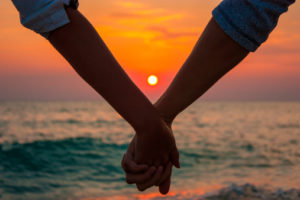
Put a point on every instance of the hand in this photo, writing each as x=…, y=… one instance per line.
x=156, y=146
x=144, y=176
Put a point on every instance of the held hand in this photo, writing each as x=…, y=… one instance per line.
x=156, y=146
x=142, y=175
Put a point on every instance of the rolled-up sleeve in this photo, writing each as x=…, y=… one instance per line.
x=42, y=16
x=249, y=22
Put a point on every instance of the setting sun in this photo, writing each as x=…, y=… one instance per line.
x=152, y=80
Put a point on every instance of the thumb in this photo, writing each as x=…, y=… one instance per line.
x=175, y=157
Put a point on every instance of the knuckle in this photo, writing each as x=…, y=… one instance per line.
x=128, y=180
x=140, y=188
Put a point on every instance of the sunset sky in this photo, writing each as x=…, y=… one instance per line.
x=147, y=37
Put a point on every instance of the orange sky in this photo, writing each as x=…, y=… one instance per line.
x=147, y=37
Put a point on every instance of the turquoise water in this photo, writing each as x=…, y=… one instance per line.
x=72, y=150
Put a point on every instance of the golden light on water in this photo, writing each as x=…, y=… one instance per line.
x=152, y=80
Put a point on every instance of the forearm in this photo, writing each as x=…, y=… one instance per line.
x=83, y=48
x=213, y=56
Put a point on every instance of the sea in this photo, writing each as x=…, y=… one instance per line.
x=72, y=150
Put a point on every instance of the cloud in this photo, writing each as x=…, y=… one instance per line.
x=146, y=15
x=152, y=34
x=129, y=4
x=165, y=33
x=147, y=26
x=151, y=24
x=133, y=11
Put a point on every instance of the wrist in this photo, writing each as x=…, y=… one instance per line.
x=147, y=122
x=166, y=116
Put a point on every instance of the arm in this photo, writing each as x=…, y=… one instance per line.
x=83, y=48
x=237, y=27
x=213, y=56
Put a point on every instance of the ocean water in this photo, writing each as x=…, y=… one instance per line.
x=72, y=150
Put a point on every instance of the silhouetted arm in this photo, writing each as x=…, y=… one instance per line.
x=83, y=48
x=236, y=28
x=214, y=55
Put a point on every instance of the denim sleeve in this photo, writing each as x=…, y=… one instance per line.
x=249, y=22
x=42, y=16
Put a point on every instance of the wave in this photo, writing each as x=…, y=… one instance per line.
x=250, y=191
x=59, y=149
x=64, y=162
x=43, y=168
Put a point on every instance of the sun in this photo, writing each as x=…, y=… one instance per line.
x=152, y=80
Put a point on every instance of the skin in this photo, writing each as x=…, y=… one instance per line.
x=142, y=175
x=79, y=43
x=214, y=55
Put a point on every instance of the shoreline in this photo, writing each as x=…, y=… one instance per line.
x=246, y=191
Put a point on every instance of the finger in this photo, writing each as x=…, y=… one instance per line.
x=130, y=166
x=140, y=178
x=166, y=174
x=165, y=186
x=153, y=181
x=123, y=163
x=175, y=157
